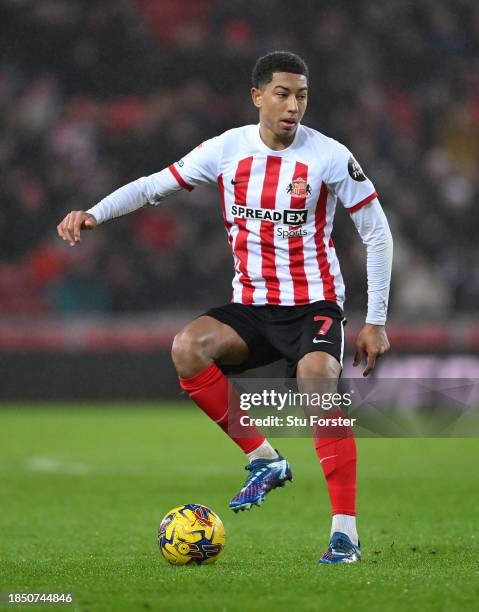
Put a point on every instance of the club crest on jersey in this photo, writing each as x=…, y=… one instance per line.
x=299, y=187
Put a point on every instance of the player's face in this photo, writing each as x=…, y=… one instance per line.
x=282, y=104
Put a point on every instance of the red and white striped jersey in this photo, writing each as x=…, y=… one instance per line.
x=278, y=209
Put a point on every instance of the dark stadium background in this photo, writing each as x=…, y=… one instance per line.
x=94, y=94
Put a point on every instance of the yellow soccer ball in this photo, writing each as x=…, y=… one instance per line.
x=191, y=534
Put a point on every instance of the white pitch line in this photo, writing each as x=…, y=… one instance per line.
x=55, y=466
x=52, y=465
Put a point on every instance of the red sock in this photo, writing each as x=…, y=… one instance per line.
x=210, y=390
x=338, y=459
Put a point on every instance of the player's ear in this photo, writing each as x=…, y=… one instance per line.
x=257, y=97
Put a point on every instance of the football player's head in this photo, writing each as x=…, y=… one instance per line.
x=280, y=92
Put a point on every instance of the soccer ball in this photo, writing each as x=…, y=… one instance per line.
x=191, y=534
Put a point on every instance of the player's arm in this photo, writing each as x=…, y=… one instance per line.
x=358, y=195
x=199, y=166
x=372, y=341
x=148, y=190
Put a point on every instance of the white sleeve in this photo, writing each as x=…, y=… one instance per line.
x=145, y=190
x=347, y=179
x=373, y=228
x=199, y=166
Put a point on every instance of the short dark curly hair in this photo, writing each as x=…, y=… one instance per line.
x=277, y=61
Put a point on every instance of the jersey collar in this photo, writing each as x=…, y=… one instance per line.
x=265, y=148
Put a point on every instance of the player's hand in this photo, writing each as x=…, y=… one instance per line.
x=69, y=229
x=371, y=343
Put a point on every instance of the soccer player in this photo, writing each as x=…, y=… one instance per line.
x=279, y=182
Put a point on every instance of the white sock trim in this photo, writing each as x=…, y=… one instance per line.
x=345, y=523
x=264, y=451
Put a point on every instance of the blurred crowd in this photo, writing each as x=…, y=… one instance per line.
x=95, y=93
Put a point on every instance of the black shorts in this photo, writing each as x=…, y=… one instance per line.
x=289, y=332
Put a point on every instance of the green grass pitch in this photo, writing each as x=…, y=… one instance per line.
x=83, y=489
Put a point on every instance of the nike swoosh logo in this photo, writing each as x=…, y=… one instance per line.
x=328, y=457
x=233, y=182
x=316, y=341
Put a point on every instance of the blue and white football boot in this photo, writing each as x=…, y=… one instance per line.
x=341, y=550
x=265, y=475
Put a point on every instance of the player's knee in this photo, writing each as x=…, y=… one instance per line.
x=184, y=349
x=189, y=353
x=319, y=366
